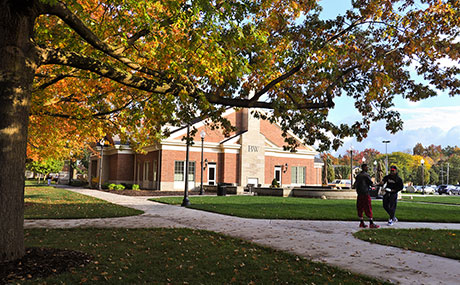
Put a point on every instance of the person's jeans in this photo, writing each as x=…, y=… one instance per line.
x=389, y=203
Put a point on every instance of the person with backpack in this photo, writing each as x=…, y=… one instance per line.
x=363, y=184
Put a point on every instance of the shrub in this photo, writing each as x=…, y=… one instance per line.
x=136, y=187
x=127, y=185
x=105, y=185
x=112, y=186
x=78, y=183
x=119, y=187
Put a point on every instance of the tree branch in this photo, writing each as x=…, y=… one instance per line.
x=72, y=59
x=54, y=80
x=298, y=67
x=61, y=11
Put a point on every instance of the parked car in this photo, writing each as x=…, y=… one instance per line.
x=341, y=183
x=428, y=190
x=418, y=189
x=449, y=190
x=456, y=191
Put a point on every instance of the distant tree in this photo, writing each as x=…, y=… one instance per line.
x=404, y=162
x=434, y=152
x=449, y=150
x=369, y=154
x=454, y=169
x=45, y=167
x=342, y=172
x=434, y=176
x=420, y=175
x=328, y=169
x=380, y=173
x=418, y=149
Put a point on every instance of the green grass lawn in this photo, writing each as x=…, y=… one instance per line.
x=180, y=256
x=127, y=256
x=55, y=203
x=265, y=207
x=455, y=200
x=36, y=183
x=444, y=243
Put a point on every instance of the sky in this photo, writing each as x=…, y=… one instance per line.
x=431, y=121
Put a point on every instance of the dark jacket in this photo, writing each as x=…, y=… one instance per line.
x=363, y=183
x=394, y=182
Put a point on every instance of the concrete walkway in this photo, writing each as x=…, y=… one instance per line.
x=331, y=242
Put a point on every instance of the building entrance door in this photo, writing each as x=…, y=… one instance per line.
x=211, y=174
x=278, y=174
x=145, y=182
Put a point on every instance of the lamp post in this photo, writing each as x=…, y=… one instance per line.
x=375, y=170
x=186, y=201
x=422, y=161
x=101, y=142
x=70, y=168
x=202, y=135
x=386, y=155
x=351, y=166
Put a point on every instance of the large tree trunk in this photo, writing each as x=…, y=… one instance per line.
x=17, y=68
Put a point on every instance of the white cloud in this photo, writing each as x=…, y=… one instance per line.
x=404, y=140
x=444, y=118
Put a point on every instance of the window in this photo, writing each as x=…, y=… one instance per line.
x=298, y=175
x=155, y=170
x=179, y=171
x=191, y=171
x=146, y=170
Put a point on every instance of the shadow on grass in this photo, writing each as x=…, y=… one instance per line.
x=34, y=210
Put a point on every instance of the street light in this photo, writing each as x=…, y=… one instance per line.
x=70, y=168
x=202, y=135
x=422, y=161
x=375, y=170
x=351, y=166
x=186, y=201
x=386, y=154
x=101, y=142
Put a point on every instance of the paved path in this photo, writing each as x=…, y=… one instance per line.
x=331, y=242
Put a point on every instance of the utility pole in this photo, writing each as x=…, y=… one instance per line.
x=447, y=174
x=386, y=142
x=442, y=174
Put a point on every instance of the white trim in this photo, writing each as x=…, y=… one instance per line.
x=233, y=140
x=271, y=144
x=280, y=169
x=231, y=151
x=111, y=151
x=289, y=155
x=318, y=164
x=214, y=166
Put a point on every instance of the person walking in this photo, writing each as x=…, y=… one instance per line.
x=394, y=184
x=363, y=184
x=48, y=178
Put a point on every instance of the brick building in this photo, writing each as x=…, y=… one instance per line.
x=252, y=155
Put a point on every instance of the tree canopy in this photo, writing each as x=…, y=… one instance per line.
x=73, y=71
x=129, y=67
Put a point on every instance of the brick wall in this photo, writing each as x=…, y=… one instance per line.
x=228, y=168
x=121, y=167
x=271, y=162
x=273, y=134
